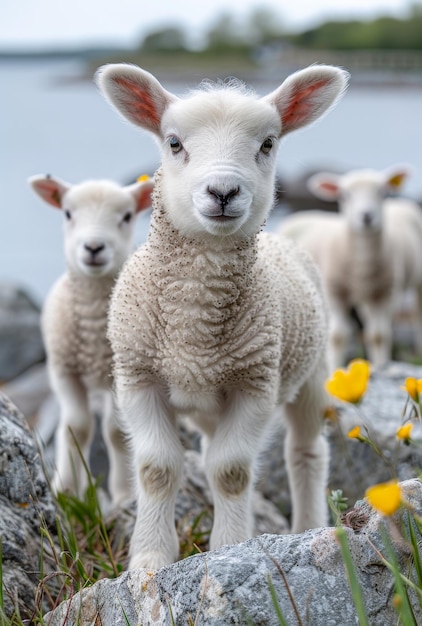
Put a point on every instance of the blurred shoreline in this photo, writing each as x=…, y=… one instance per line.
x=374, y=68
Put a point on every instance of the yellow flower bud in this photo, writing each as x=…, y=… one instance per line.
x=350, y=385
x=355, y=434
x=413, y=387
x=385, y=497
x=405, y=431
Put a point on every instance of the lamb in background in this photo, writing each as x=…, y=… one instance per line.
x=368, y=254
x=210, y=318
x=99, y=218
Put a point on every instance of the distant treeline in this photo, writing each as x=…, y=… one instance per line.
x=265, y=28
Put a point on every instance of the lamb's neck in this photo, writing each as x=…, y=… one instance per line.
x=370, y=274
x=90, y=294
x=197, y=259
x=367, y=250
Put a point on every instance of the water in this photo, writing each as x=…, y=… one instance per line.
x=66, y=128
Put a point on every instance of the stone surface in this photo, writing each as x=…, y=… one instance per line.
x=24, y=499
x=230, y=585
x=20, y=337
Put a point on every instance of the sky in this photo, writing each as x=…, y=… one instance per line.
x=45, y=24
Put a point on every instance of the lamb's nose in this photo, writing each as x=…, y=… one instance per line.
x=94, y=248
x=367, y=219
x=223, y=197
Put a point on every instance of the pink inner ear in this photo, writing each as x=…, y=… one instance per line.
x=138, y=102
x=330, y=187
x=50, y=192
x=301, y=104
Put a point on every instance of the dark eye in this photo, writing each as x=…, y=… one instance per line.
x=68, y=215
x=175, y=145
x=127, y=218
x=267, y=145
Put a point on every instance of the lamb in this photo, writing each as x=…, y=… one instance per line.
x=211, y=318
x=368, y=254
x=99, y=218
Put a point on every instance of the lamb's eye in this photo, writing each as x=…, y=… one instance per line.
x=267, y=145
x=127, y=217
x=68, y=215
x=175, y=145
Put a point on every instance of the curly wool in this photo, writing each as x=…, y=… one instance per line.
x=80, y=305
x=250, y=315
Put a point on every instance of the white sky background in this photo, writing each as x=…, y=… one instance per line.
x=68, y=23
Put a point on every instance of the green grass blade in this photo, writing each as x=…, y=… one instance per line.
x=276, y=604
x=351, y=576
x=405, y=610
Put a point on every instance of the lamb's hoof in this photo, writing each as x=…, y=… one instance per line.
x=152, y=560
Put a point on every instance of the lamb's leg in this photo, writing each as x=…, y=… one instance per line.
x=378, y=331
x=230, y=459
x=76, y=425
x=158, y=463
x=119, y=478
x=340, y=334
x=307, y=454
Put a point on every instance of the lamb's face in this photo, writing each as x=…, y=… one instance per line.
x=219, y=154
x=361, y=196
x=219, y=144
x=98, y=226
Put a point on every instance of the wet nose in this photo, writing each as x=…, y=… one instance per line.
x=367, y=219
x=223, y=197
x=94, y=247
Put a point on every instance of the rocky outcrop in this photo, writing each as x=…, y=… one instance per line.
x=25, y=500
x=20, y=337
x=232, y=585
x=234, y=578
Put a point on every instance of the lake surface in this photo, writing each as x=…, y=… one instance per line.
x=50, y=123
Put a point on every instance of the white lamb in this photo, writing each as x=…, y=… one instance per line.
x=368, y=254
x=210, y=318
x=99, y=219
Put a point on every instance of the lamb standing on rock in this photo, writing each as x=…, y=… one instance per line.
x=368, y=254
x=210, y=318
x=99, y=222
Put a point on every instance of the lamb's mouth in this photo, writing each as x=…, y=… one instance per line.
x=222, y=217
x=94, y=263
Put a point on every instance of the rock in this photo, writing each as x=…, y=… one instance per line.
x=20, y=337
x=25, y=499
x=29, y=391
x=230, y=585
x=355, y=466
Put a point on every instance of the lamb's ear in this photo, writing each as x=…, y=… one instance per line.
x=325, y=186
x=135, y=93
x=396, y=175
x=141, y=191
x=50, y=189
x=306, y=95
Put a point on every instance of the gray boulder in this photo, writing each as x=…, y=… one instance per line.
x=20, y=337
x=25, y=499
x=231, y=585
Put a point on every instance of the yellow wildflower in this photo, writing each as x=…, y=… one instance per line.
x=143, y=178
x=413, y=387
x=385, y=497
x=405, y=431
x=350, y=385
x=355, y=434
